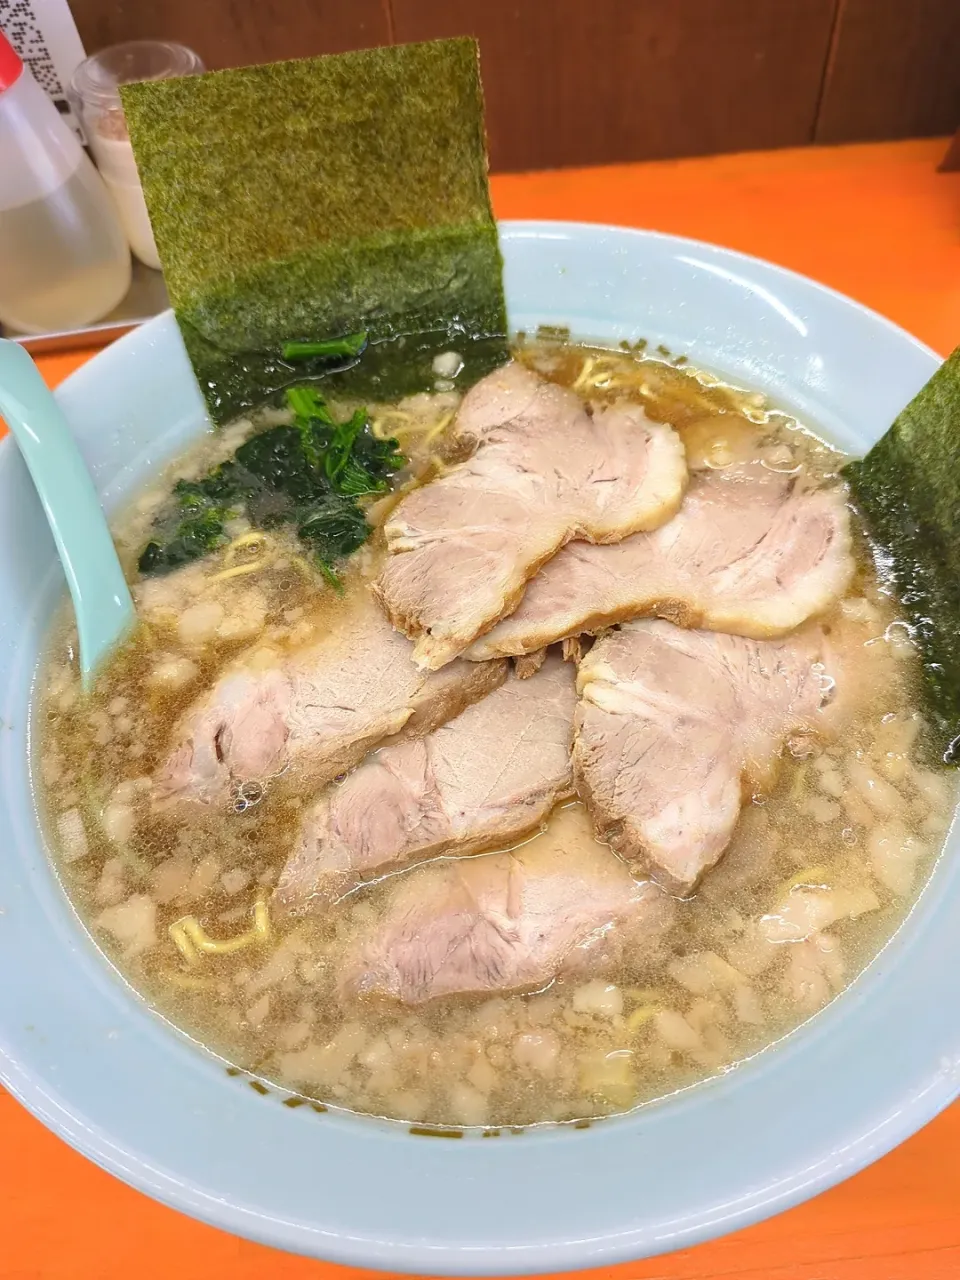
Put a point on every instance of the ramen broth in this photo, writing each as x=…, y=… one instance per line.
x=845, y=838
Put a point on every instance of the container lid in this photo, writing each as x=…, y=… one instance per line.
x=10, y=64
x=95, y=81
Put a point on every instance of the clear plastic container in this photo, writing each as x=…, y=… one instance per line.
x=64, y=260
x=94, y=94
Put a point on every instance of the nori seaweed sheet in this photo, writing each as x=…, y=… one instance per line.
x=308, y=199
x=907, y=489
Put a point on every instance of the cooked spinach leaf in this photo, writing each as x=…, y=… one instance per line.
x=307, y=475
x=199, y=526
x=334, y=527
x=352, y=345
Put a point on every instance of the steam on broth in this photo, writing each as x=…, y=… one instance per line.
x=820, y=870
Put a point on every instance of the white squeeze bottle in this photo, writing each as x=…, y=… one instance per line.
x=64, y=260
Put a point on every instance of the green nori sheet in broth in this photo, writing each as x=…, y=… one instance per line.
x=908, y=492
x=307, y=200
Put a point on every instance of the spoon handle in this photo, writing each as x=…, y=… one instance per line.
x=101, y=597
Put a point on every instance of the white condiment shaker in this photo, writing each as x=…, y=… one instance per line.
x=94, y=93
x=64, y=260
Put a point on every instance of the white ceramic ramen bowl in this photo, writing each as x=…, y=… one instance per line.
x=86, y=1056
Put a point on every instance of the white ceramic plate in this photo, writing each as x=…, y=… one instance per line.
x=92, y=1062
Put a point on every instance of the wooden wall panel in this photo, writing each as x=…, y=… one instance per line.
x=572, y=82
x=232, y=33
x=894, y=71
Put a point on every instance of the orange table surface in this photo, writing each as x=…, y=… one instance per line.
x=876, y=222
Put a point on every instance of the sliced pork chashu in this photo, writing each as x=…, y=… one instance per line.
x=542, y=471
x=507, y=921
x=675, y=728
x=484, y=780
x=749, y=553
x=319, y=710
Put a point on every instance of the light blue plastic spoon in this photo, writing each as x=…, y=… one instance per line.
x=101, y=597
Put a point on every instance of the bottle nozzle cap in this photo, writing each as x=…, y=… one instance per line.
x=10, y=64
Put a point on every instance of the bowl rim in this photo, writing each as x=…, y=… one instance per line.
x=130, y=1166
